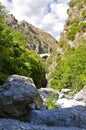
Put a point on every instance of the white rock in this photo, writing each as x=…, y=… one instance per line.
x=65, y=90
x=61, y=95
x=81, y=96
x=65, y=103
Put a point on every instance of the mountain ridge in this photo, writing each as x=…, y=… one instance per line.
x=36, y=39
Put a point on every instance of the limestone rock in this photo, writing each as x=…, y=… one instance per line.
x=65, y=91
x=16, y=95
x=61, y=95
x=65, y=103
x=47, y=92
x=81, y=96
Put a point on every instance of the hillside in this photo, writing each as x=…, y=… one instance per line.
x=70, y=71
x=36, y=39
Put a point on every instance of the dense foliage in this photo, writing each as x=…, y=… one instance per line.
x=75, y=28
x=15, y=58
x=70, y=71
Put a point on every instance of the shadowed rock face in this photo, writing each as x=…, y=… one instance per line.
x=16, y=95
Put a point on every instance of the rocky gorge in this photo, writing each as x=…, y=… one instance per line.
x=22, y=108
x=24, y=105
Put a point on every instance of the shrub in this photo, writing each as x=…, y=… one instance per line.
x=51, y=102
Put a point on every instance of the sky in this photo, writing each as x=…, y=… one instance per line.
x=48, y=15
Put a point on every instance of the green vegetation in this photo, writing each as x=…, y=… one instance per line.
x=84, y=13
x=51, y=102
x=62, y=43
x=15, y=58
x=72, y=32
x=81, y=4
x=73, y=2
x=74, y=29
x=70, y=71
x=77, y=14
x=75, y=21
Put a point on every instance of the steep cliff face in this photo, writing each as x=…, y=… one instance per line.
x=36, y=39
x=74, y=33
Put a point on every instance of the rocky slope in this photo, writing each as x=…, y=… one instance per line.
x=74, y=33
x=36, y=39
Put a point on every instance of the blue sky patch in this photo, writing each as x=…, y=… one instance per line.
x=49, y=8
x=55, y=1
x=10, y=0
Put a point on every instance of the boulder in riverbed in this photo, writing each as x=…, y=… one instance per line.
x=16, y=95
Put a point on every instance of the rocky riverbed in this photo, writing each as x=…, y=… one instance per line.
x=22, y=107
x=10, y=124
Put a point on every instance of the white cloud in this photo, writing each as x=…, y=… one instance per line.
x=48, y=15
